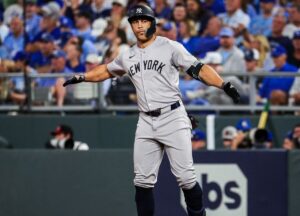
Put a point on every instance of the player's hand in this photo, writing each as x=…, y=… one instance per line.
x=74, y=80
x=232, y=92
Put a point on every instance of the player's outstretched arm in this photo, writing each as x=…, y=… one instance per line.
x=212, y=78
x=98, y=74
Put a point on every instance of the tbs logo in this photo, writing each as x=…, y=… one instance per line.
x=224, y=189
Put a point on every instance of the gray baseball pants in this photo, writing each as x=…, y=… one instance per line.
x=171, y=133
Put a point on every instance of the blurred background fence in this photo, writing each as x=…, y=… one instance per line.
x=89, y=97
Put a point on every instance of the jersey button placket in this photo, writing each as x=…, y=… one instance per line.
x=145, y=90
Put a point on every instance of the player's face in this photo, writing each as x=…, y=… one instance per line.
x=139, y=28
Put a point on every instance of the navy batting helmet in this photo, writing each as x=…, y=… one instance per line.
x=143, y=11
x=140, y=11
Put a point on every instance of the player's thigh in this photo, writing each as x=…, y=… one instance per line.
x=179, y=152
x=148, y=152
x=148, y=155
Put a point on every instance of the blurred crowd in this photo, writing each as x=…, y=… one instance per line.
x=73, y=36
x=243, y=135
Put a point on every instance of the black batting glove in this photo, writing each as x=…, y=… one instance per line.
x=74, y=80
x=232, y=92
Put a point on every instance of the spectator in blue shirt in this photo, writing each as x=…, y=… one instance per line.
x=58, y=65
x=83, y=25
x=65, y=38
x=3, y=52
x=162, y=10
x=167, y=29
x=216, y=6
x=100, y=31
x=277, y=88
x=73, y=53
x=40, y=59
x=58, y=62
x=4, y=30
x=17, y=93
x=278, y=24
x=66, y=24
x=41, y=3
x=198, y=140
x=250, y=9
x=14, y=41
x=210, y=39
x=33, y=20
x=97, y=9
x=235, y=18
x=188, y=36
x=50, y=20
x=72, y=7
x=87, y=46
x=262, y=24
x=188, y=84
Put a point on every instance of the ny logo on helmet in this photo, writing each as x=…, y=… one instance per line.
x=139, y=10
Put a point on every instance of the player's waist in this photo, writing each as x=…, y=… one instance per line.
x=159, y=111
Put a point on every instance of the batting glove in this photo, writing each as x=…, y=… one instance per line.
x=232, y=92
x=74, y=80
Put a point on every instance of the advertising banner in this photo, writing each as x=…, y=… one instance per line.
x=239, y=183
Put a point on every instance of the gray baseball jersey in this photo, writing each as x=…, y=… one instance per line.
x=154, y=71
x=155, y=75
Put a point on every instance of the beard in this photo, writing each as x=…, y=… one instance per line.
x=142, y=37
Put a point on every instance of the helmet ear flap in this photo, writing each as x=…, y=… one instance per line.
x=152, y=29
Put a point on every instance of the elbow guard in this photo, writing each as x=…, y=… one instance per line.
x=194, y=70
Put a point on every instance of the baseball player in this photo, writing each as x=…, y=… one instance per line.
x=163, y=126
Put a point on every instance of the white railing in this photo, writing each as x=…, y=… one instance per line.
x=99, y=104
